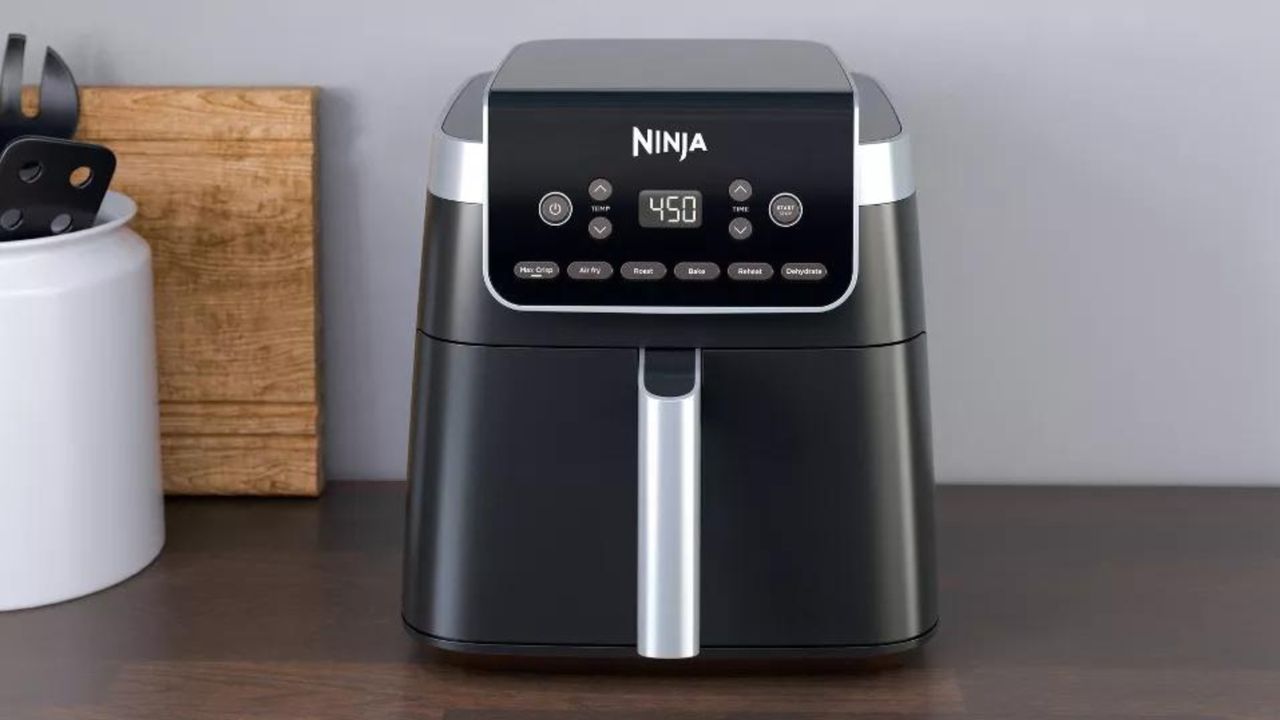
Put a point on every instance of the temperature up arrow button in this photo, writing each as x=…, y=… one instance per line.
x=600, y=189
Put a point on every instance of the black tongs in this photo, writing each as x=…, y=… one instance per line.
x=59, y=106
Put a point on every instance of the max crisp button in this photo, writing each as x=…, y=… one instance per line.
x=804, y=271
x=536, y=270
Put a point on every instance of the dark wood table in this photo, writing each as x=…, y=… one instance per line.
x=1056, y=603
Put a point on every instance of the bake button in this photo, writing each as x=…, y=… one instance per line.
x=804, y=271
x=600, y=189
x=600, y=228
x=554, y=208
x=536, y=270
x=740, y=228
x=643, y=270
x=697, y=271
x=590, y=270
x=785, y=209
x=750, y=271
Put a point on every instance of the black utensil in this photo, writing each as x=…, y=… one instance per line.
x=59, y=106
x=50, y=186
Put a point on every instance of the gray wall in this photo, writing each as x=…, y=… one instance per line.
x=1099, y=188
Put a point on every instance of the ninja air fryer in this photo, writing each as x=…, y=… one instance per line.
x=670, y=390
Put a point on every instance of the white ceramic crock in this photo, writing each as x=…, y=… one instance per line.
x=80, y=486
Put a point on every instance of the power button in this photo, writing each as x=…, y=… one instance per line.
x=554, y=208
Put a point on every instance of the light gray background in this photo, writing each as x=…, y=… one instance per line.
x=1099, y=196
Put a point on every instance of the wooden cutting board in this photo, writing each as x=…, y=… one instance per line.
x=225, y=184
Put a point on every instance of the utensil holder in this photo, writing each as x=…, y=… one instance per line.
x=81, y=504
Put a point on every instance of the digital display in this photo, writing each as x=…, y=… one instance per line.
x=670, y=209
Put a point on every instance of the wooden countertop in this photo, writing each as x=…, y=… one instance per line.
x=1056, y=603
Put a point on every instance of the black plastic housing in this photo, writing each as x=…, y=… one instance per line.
x=817, y=481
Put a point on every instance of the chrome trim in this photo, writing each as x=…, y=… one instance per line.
x=459, y=170
x=669, y=519
x=886, y=171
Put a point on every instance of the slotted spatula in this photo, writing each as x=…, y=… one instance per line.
x=59, y=106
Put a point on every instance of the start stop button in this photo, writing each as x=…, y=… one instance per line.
x=785, y=209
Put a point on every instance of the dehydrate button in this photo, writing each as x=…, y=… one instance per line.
x=805, y=272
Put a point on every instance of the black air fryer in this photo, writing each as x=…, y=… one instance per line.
x=670, y=391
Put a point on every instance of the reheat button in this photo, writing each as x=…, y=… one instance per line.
x=750, y=271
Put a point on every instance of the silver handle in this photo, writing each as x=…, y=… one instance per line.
x=670, y=385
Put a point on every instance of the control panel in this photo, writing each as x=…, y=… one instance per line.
x=646, y=201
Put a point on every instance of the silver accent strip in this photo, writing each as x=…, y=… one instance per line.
x=459, y=168
x=459, y=171
x=886, y=171
x=669, y=551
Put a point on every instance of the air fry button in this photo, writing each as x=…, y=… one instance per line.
x=785, y=209
x=554, y=208
x=590, y=270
